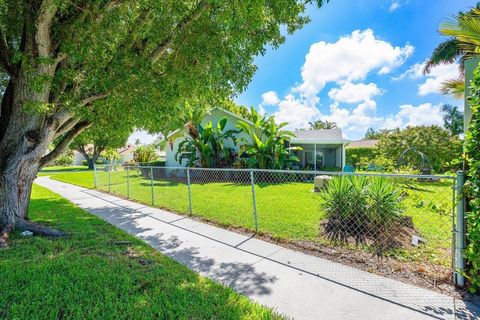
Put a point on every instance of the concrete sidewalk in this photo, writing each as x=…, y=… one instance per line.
x=297, y=285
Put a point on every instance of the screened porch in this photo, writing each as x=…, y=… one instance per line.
x=315, y=156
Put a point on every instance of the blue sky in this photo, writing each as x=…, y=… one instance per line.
x=357, y=63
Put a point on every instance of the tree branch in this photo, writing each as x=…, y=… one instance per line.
x=162, y=48
x=65, y=127
x=48, y=9
x=93, y=98
x=5, y=57
x=64, y=143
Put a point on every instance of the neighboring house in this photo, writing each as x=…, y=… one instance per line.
x=321, y=148
x=363, y=144
x=126, y=154
x=78, y=157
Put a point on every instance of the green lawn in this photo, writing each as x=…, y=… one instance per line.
x=285, y=210
x=100, y=272
x=78, y=175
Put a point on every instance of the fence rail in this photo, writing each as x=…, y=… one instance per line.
x=410, y=219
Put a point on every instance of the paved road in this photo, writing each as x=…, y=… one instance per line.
x=298, y=285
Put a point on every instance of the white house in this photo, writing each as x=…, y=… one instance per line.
x=321, y=148
x=215, y=115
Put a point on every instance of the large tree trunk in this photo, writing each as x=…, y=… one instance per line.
x=24, y=139
x=15, y=189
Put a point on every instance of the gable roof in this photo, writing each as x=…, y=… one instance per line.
x=318, y=136
x=363, y=144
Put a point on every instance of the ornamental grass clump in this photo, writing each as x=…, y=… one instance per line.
x=364, y=210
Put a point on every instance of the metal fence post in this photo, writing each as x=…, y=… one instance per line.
x=460, y=238
x=95, y=176
x=128, y=182
x=109, y=177
x=252, y=182
x=189, y=191
x=151, y=185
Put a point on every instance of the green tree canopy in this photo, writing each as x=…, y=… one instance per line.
x=435, y=142
x=68, y=63
x=101, y=136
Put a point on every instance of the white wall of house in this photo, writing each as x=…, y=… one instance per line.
x=77, y=158
x=215, y=116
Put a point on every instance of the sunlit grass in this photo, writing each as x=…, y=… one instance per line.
x=288, y=211
x=100, y=272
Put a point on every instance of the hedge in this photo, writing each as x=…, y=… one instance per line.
x=354, y=156
x=472, y=148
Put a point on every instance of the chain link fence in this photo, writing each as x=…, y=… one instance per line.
x=355, y=218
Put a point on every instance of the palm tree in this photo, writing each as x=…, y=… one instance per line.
x=320, y=124
x=464, y=33
x=452, y=119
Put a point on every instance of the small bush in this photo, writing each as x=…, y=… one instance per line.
x=356, y=156
x=364, y=209
x=64, y=160
x=145, y=154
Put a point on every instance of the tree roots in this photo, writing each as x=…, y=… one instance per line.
x=37, y=229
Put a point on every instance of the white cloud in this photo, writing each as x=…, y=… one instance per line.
x=432, y=81
x=354, y=121
x=270, y=98
x=436, y=77
x=296, y=112
x=414, y=72
x=351, y=58
x=409, y=115
x=394, y=6
x=354, y=92
x=347, y=62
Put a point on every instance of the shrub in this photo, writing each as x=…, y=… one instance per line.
x=435, y=142
x=145, y=154
x=64, y=160
x=365, y=209
x=377, y=163
x=158, y=163
x=356, y=156
x=472, y=252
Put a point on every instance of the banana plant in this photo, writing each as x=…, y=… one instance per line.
x=267, y=143
x=205, y=145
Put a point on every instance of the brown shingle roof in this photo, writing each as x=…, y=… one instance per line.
x=363, y=144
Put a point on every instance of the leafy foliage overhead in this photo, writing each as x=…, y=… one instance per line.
x=463, y=31
x=141, y=59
